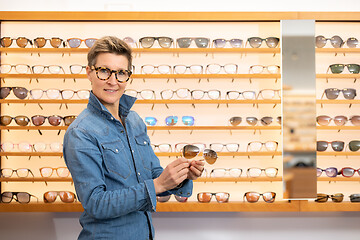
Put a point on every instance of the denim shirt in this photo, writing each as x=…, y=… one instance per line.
x=113, y=170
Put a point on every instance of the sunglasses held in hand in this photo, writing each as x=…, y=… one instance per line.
x=191, y=151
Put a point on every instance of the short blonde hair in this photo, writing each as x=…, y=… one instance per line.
x=109, y=44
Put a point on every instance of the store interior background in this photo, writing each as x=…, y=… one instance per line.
x=254, y=225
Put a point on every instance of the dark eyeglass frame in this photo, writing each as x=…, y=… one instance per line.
x=190, y=39
x=214, y=194
x=322, y=197
x=224, y=40
x=341, y=147
x=16, y=40
x=67, y=119
x=166, y=198
x=355, y=197
x=156, y=39
x=26, y=119
x=343, y=68
x=262, y=40
x=50, y=40
x=326, y=172
x=337, y=93
x=14, y=195
x=13, y=89
x=110, y=72
x=16, y=171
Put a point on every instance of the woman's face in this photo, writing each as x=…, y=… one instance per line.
x=110, y=91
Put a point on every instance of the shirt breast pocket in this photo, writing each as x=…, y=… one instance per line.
x=115, y=159
x=145, y=150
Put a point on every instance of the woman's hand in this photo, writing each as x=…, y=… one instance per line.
x=196, y=169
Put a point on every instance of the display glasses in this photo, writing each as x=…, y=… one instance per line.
x=51, y=93
x=234, y=95
x=180, y=93
x=69, y=94
x=20, y=197
x=54, y=120
x=256, y=42
x=20, y=172
x=324, y=120
x=205, y=197
x=234, y=43
x=163, y=199
x=22, y=147
x=104, y=74
x=219, y=147
x=55, y=42
x=215, y=68
x=187, y=120
x=333, y=93
x=256, y=172
x=337, y=197
x=19, y=68
x=150, y=69
x=354, y=145
x=42, y=147
x=269, y=93
x=355, y=197
x=330, y=172
x=355, y=120
x=265, y=121
x=182, y=69
x=223, y=172
x=19, y=92
x=53, y=69
x=200, y=42
x=349, y=172
x=76, y=42
x=337, y=146
x=235, y=121
x=20, y=120
x=60, y=171
x=130, y=42
x=150, y=121
x=257, y=69
x=76, y=68
x=163, y=147
x=191, y=151
x=254, y=197
x=257, y=146
x=336, y=41
x=200, y=94
x=148, y=42
x=65, y=196
x=146, y=94
x=339, y=68
x=20, y=41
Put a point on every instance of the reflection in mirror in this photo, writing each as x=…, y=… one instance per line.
x=299, y=108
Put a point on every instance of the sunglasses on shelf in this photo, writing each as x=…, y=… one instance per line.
x=60, y=171
x=265, y=121
x=339, y=68
x=333, y=93
x=54, y=120
x=19, y=68
x=337, y=146
x=55, y=42
x=20, y=197
x=336, y=41
x=22, y=147
x=76, y=42
x=256, y=42
x=146, y=94
x=355, y=197
x=215, y=68
x=221, y=42
x=330, y=172
x=20, y=120
x=65, y=196
x=19, y=92
x=20, y=41
x=20, y=172
x=219, y=147
x=191, y=151
x=222, y=172
x=163, y=147
x=321, y=197
x=200, y=42
x=187, y=120
x=163, y=199
x=354, y=145
x=324, y=120
x=205, y=197
x=253, y=197
x=148, y=42
x=182, y=69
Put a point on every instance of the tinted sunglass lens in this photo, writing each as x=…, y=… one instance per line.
x=219, y=43
x=22, y=120
x=67, y=197
x=318, y=172
x=349, y=93
x=340, y=120
x=252, y=121
x=338, y=197
x=236, y=43
x=222, y=197
x=331, y=172
x=147, y=42
x=252, y=197
x=22, y=42
x=321, y=146
x=255, y=42
x=352, y=42
x=188, y=120
x=39, y=42
x=354, y=145
x=320, y=41
x=269, y=197
x=332, y=93
x=55, y=120
x=55, y=42
x=163, y=198
x=266, y=121
x=6, y=42
x=184, y=42
x=4, y=92
x=171, y=120
x=180, y=198
x=354, y=68
x=5, y=120
x=38, y=120
x=23, y=197
x=355, y=120
x=202, y=42
x=20, y=92
x=190, y=151
x=336, y=41
x=204, y=197
x=69, y=119
x=235, y=121
x=50, y=196
x=90, y=42
x=348, y=172
x=151, y=121
x=337, y=68
x=338, y=146
x=165, y=42
x=321, y=197
x=74, y=42
x=323, y=120
x=272, y=42
x=210, y=156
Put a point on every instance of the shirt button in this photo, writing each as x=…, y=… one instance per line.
x=138, y=173
x=145, y=142
x=116, y=150
x=132, y=150
x=112, y=118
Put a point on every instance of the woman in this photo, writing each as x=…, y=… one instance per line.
x=107, y=150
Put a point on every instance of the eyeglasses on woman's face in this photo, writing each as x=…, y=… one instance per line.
x=104, y=74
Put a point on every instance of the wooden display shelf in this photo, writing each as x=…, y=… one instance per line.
x=340, y=75
x=33, y=127
x=44, y=101
x=146, y=50
x=214, y=127
x=337, y=50
x=36, y=179
x=339, y=179
x=145, y=76
x=33, y=206
x=30, y=154
x=329, y=206
x=239, y=179
x=338, y=127
x=338, y=153
x=341, y=101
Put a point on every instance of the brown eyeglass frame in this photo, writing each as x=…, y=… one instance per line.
x=16, y=40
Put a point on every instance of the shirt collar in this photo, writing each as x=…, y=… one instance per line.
x=125, y=104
